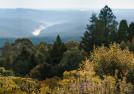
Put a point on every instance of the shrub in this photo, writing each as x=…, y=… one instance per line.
x=4, y=72
x=18, y=85
x=113, y=60
x=85, y=81
x=71, y=59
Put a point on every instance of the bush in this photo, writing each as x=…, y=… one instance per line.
x=113, y=60
x=18, y=85
x=85, y=81
x=4, y=72
x=71, y=59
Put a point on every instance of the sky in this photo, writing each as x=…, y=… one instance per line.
x=67, y=4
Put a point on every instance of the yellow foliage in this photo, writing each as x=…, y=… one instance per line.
x=18, y=85
x=85, y=79
x=113, y=58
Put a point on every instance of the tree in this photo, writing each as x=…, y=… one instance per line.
x=24, y=62
x=72, y=44
x=109, y=19
x=55, y=56
x=113, y=37
x=123, y=31
x=23, y=42
x=98, y=33
x=93, y=20
x=100, y=30
x=71, y=60
x=87, y=42
x=42, y=52
x=42, y=71
x=56, y=52
x=131, y=31
x=11, y=51
x=6, y=55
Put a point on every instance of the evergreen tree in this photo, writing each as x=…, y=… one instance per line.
x=109, y=19
x=87, y=42
x=123, y=31
x=100, y=31
x=131, y=31
x=106, y=15
x=56, y=53
x=113, y=36
x=93, y=20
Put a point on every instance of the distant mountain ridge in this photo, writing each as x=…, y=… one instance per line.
x=69, y=24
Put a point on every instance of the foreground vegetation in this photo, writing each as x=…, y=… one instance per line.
x=102, y=63
x=18, y=85
x=107, y=71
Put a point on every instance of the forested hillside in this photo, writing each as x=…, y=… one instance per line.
x=101, y=63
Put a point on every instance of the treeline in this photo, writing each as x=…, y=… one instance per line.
x=103, y=29
x=41, y=61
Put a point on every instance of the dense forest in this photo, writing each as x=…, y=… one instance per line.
x=101, y=63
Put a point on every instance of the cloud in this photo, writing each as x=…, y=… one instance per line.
x=66, y=4
x=38, y=30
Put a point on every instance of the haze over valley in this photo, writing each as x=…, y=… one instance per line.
x=45, y=25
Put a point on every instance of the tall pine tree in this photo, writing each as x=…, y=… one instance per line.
x=87, y=42
x=123, y=31
x=109, y=19
x=100, y=30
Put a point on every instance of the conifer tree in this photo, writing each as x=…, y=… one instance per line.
x=87, y=42
x=100, y=30
x=99, y=33
x=109, y=19
x=106, y=15
x=123, y=31
x=131, y=31
x=56, y=53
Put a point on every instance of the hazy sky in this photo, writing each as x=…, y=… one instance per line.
x=66, y=4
